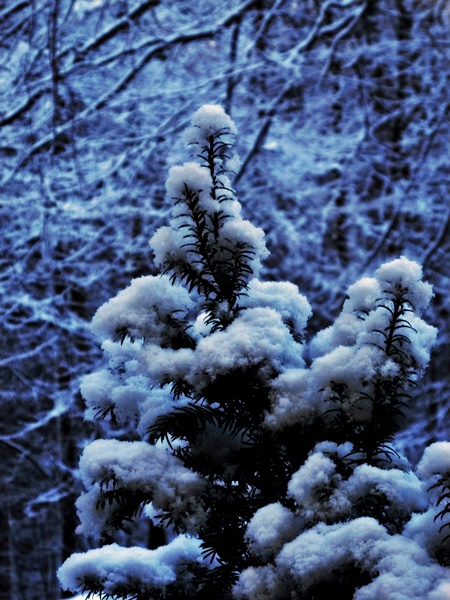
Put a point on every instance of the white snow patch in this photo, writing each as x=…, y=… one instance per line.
x=114, y=565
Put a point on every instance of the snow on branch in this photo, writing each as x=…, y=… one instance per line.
x=120, y=572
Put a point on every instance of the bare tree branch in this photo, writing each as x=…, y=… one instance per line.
x=443, y=236
x=26, y=454
x=4, y=14
x=110, y=32
x=419, y=162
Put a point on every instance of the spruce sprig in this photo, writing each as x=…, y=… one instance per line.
x=218, y=268
x=388, y=398
x=444, y=484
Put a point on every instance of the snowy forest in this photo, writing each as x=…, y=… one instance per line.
x=339, y=111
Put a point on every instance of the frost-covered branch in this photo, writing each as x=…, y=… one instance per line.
x=17, y=7
x=418, y=163
x=25, y=355
x=440, y=239
x=112, y=30
x=343, y=29
x=26, y=454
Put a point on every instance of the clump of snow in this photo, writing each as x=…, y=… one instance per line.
x=212, y=117
x=320, y=553
x=422, y=339
x=123, y=392
x=362, y=297
x=442, y=592
x=167, y=244
x=324, y=495
x=430, y=528
x=270, y=528
x=435, y=461
x=238, y=231
x=260, y=583
x=138, y=466
x=93, y=521
x=190, y=176
x=312, y=483
x=426, y=529
x=310, y=558
x=128, y=387
x=317, y=551
x=257, y=336
x=408, y=274
x=96, y=389
x=405, y=571
x=128, y=397
x=201, y=327
x=114, y=566
x=290, y=401
x=284, y=297
x=349, y=366
x=208, y=120
x=143, y=310
x=166, y=364
x=403, y=492
x=316, y=488
x=193, y=182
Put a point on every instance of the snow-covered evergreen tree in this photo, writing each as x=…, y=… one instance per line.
x=271, y=462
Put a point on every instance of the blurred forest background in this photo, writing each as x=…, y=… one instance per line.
x=343, y=112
